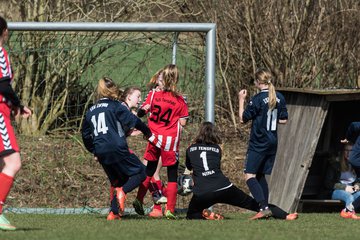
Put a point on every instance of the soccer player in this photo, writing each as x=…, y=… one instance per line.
x=156, y=187
x=130, y=98
x=211, y=186
x=9, y=149
x=266, y=109
x=168, y=114
x=103, y=135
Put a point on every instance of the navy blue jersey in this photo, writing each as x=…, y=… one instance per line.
x=263, y=136
x=353, y=135
x=104, y=127
x=204, y=160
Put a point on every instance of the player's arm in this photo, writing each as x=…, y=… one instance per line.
x=8, y=92
x=87, y=137
x=242, y=97
x=187, y=161
x=283, y=114
x=352, y=132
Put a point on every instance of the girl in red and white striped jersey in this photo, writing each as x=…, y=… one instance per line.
x=9, y=149
x=168, y=114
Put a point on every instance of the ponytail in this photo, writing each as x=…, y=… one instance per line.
x=272, y=96
x=264, y=76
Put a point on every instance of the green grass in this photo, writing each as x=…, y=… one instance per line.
x=236, y=226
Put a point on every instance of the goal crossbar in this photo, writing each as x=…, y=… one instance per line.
x=208, y=28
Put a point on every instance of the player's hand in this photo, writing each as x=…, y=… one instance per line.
x=146, y=107
x=344, y=141
x=135, y=132
x=242, y=94
x=25, y=112
x=350, y=189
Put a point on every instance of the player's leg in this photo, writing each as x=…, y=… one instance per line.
x=254, y=163
x=152, y=154
x=197, y=205
x=156, y=186
x=11, y=165
x=172, y=172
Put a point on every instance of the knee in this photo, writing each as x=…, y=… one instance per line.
x=249, y=175
x=12, y=164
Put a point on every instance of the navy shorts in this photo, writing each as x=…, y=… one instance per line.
x=259, y=163
x=120, y=168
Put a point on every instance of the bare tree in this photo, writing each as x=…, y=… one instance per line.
x=47, y=80
x=307, y=44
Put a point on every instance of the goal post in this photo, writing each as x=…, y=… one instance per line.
x=208, y=28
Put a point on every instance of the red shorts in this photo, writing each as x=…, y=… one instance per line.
x=154, y=153
x=8, y=142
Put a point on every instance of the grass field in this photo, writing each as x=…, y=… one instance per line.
x=235, y=226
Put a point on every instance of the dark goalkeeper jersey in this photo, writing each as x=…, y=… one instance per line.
x=204, y=160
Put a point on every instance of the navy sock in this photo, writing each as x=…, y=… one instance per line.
x=134, y=182
x=257, y=192
x=114, y=206
x=265, y=187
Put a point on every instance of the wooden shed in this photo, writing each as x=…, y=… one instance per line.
x=318, y=119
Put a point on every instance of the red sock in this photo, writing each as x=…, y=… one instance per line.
x=159, y=185
x=144, y=186
x=111, y=193
x=171, y=196
x=6, y=184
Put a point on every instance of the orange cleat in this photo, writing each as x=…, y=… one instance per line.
x=113, y=216
x=209, y=215
x=350, y=215
x=156, y=213
x=292, y=216
x=121, y=197
x=262, y=214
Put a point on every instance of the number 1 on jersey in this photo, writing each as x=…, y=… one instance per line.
x=204, y=160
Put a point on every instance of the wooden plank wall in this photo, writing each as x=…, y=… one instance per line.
x=296, y=147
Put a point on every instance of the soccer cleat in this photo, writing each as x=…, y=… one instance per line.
x=350, y=215
x=156, y=213
x=262, y=214
x=5, y=224
x=292, y=216
x=158, y=198
x=121, y=197
x=138, y=206
x=209, y=215
x=113, y=216
x=169, y=215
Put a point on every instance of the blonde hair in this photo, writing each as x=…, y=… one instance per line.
x=265, y=77
x=171, y=78
x=107, y=89
x=152, y=83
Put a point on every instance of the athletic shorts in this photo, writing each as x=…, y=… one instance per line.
x=121, y=165
x=154, y=153
x=8, y=142
x=259, y=162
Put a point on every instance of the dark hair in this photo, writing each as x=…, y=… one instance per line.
x=3, y=25
x=208, y=134
x=127, y=92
